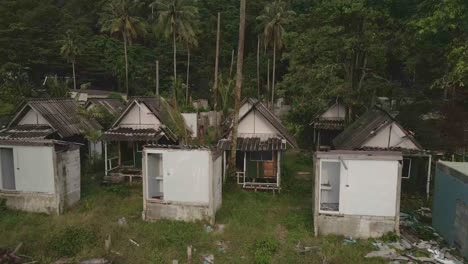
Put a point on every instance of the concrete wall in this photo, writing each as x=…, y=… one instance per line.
x=369, y=195
x=34, y=168
x=255, y=123
x=33, y=118
x=450, y=201
x=68, y=177
x=355, y=226
x=192, y=184
x=46, y=181
x=191, y=120
x=140, y=116
x=395, y=134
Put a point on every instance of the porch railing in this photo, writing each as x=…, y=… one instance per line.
x=110, y=162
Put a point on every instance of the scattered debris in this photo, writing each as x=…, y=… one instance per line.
x=10, y=257
x=189, y=254
x=64, y=261
x=220, y=228
x=349, y=240
x=425, y=212
x=116, y=253
x=383, y=252
x=208, y=228
x=122, y=222
x=107, y=243
x=175, y=261
x=222, y=246
x=96, y=261
x=303, y=249
x=134, y=242
x=208, y=259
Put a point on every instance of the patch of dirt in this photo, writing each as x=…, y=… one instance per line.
x=281, y=233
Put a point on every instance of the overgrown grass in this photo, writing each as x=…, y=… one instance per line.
x=259, y=227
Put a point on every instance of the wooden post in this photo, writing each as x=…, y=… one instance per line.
x=268, y=82
x=215, y=85
x=232, y=64
x=428, y=186
x=105, y=158
x=157, y=78
x=189, y=254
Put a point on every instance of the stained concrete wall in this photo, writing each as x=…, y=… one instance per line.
x=53, y=179
x=370, y=185
x=34, y=168
x=192, y=185
x=68, y=177
x=355, y=226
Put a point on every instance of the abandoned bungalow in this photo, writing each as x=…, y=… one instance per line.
x=378, y=130
x=261, y=141
x=57, y=119
x=181, y=182
x=358, y=194
x=145, y=120
x=39, y=175
x=327, y=125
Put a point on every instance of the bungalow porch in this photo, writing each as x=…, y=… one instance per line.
x=257, y=163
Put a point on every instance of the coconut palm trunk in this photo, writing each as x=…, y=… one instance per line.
x=74, y=76
x=188, y=76
x=240, y=63
x=126, y=61
x=175, y=62
x=273, y=76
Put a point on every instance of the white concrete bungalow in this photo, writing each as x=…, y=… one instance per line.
x=146, y=120
x=327, y=125
x=357, y=193
x=39, y=175
x=181, y=183
x=261, y=141
x=378, y=130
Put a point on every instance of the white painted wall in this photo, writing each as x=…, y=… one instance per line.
x=186, y=175
x=396, y=135
x=33, y=118
x=337, y=111
x=369, y=187
x=244, y=109
x=255, y=123
x=34, y=168
x=191, y=120
x=140, y=116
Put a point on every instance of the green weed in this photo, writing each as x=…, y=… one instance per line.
x=70, y=240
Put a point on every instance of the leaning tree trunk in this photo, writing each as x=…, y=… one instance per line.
x=240, y=63
x=258, y=67
x=215, y=85
x=188, y=75
x=126, y=62
x=74, y=76
x=273, y=76
x=175, y=64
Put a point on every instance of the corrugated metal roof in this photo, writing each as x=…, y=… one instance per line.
x=329, y=124
x=254, y=144
x=62, y=115
x=366, y=126
x=27, y=132
x=132, y=134
x=113, y=106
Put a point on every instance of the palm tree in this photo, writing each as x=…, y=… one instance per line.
x=191, y=42
x=70, y=51
x=239, y=76
x=175, y=21
x=272, y=19
x=117, y=19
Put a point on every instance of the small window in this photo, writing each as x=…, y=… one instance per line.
x=406, y=170
x=261, y=156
